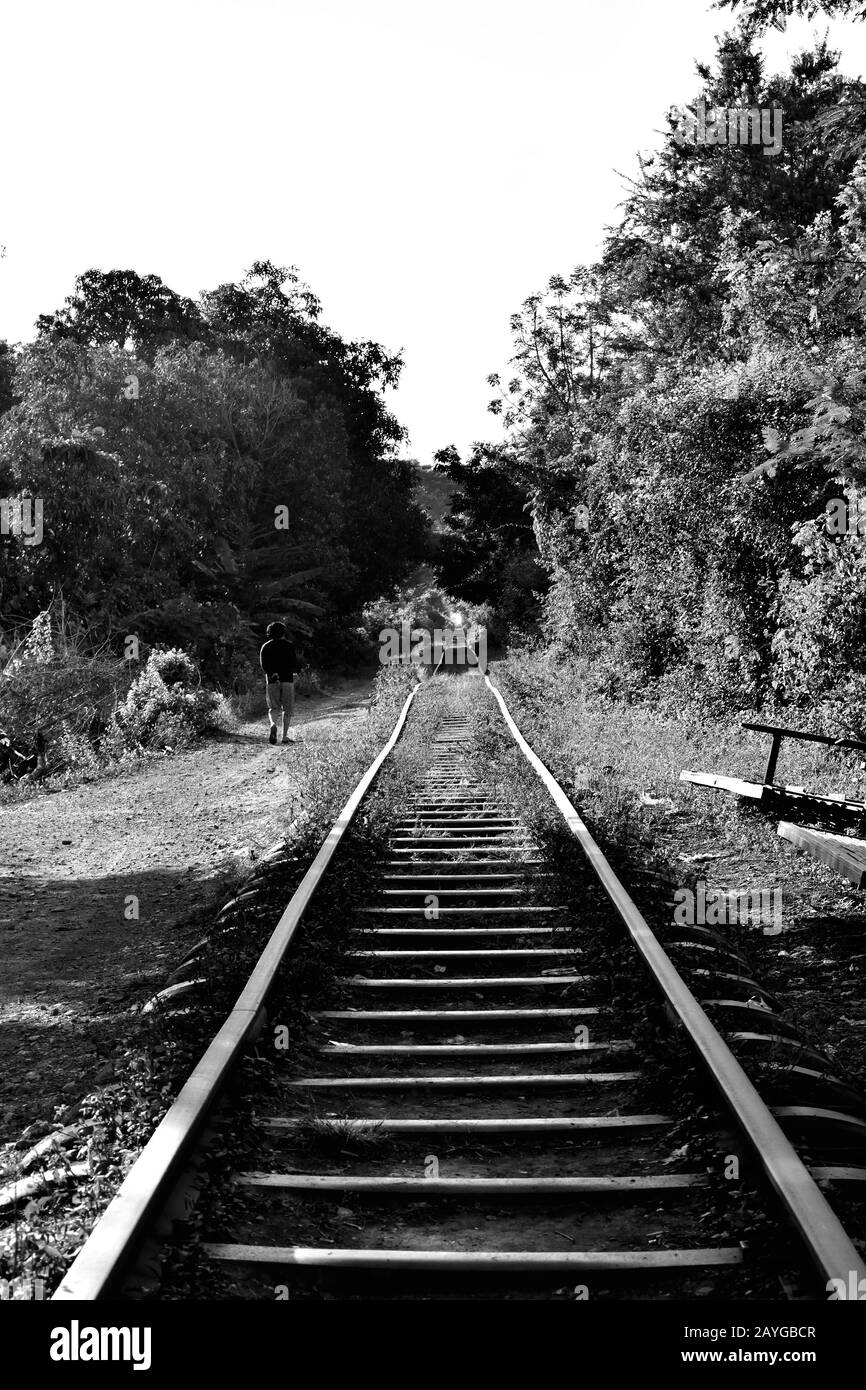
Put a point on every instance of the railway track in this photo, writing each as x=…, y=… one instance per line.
x=475, y=1119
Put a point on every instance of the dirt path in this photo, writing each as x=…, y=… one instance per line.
x=164, y=839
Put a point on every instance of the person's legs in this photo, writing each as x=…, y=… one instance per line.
x=273, y=696
x=287, y=692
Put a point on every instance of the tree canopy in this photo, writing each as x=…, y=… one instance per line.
x=680, y=414
x=204, y=466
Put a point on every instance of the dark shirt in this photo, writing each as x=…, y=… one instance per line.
x=277, y=659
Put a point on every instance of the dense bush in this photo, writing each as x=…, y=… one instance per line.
x=53, y=680
x=165, y=708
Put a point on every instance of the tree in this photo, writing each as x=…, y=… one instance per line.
x=273, y=316
x=680, y=413
x=249, y=455
x=488, y=552
x=759, y=14
x=7, y=376
x=122, y=308
x=177, y=472
x=661, y=264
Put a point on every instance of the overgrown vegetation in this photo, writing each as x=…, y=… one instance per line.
x=94, y=709
x=680, y=415
x=163, y=708
x=203, y=468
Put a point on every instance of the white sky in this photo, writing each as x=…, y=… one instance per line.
x=425, y=165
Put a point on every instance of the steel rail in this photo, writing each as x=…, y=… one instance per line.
x=817, y=1224
x=110, y=1248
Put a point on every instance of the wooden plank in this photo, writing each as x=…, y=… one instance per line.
x=839, y=1174
x=847, y=856
x=448, y=821
x=505, y=1124
x=455, y=878
x=486, y=911
x=459, y=864
x=468, y=981
x=468, y=1082
x=464, y=849
x=455, y=1015
x=744, y=980
x=831, y=1119
x=344, y=1049
x=476, y=1261
x=460, y=932
x=475, y=1187
x=754, y=790
x=425, y=954
x=456, y=892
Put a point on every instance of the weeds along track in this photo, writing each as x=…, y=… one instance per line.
x=486, y=1101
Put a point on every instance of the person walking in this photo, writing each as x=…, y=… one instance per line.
x=278, y=661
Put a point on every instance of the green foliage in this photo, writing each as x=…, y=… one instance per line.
x=165, y=708
x=229, y=461
x=433, y=493
x=757, y=14
x=56, y=680
x=7, y=374
x=488, y=553
x=611, y=754
x=379, y=528
x=680, y=414
x=422, y=606
x=122, y=308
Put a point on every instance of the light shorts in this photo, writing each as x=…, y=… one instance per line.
x=281, y=694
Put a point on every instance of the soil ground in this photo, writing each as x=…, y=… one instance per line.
x=173, y=834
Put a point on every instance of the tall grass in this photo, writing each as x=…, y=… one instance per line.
x=54, y=678
x=621, y=758
x=93, y=708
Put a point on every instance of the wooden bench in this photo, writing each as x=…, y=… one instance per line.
x=769, y=790
x=840, y=852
